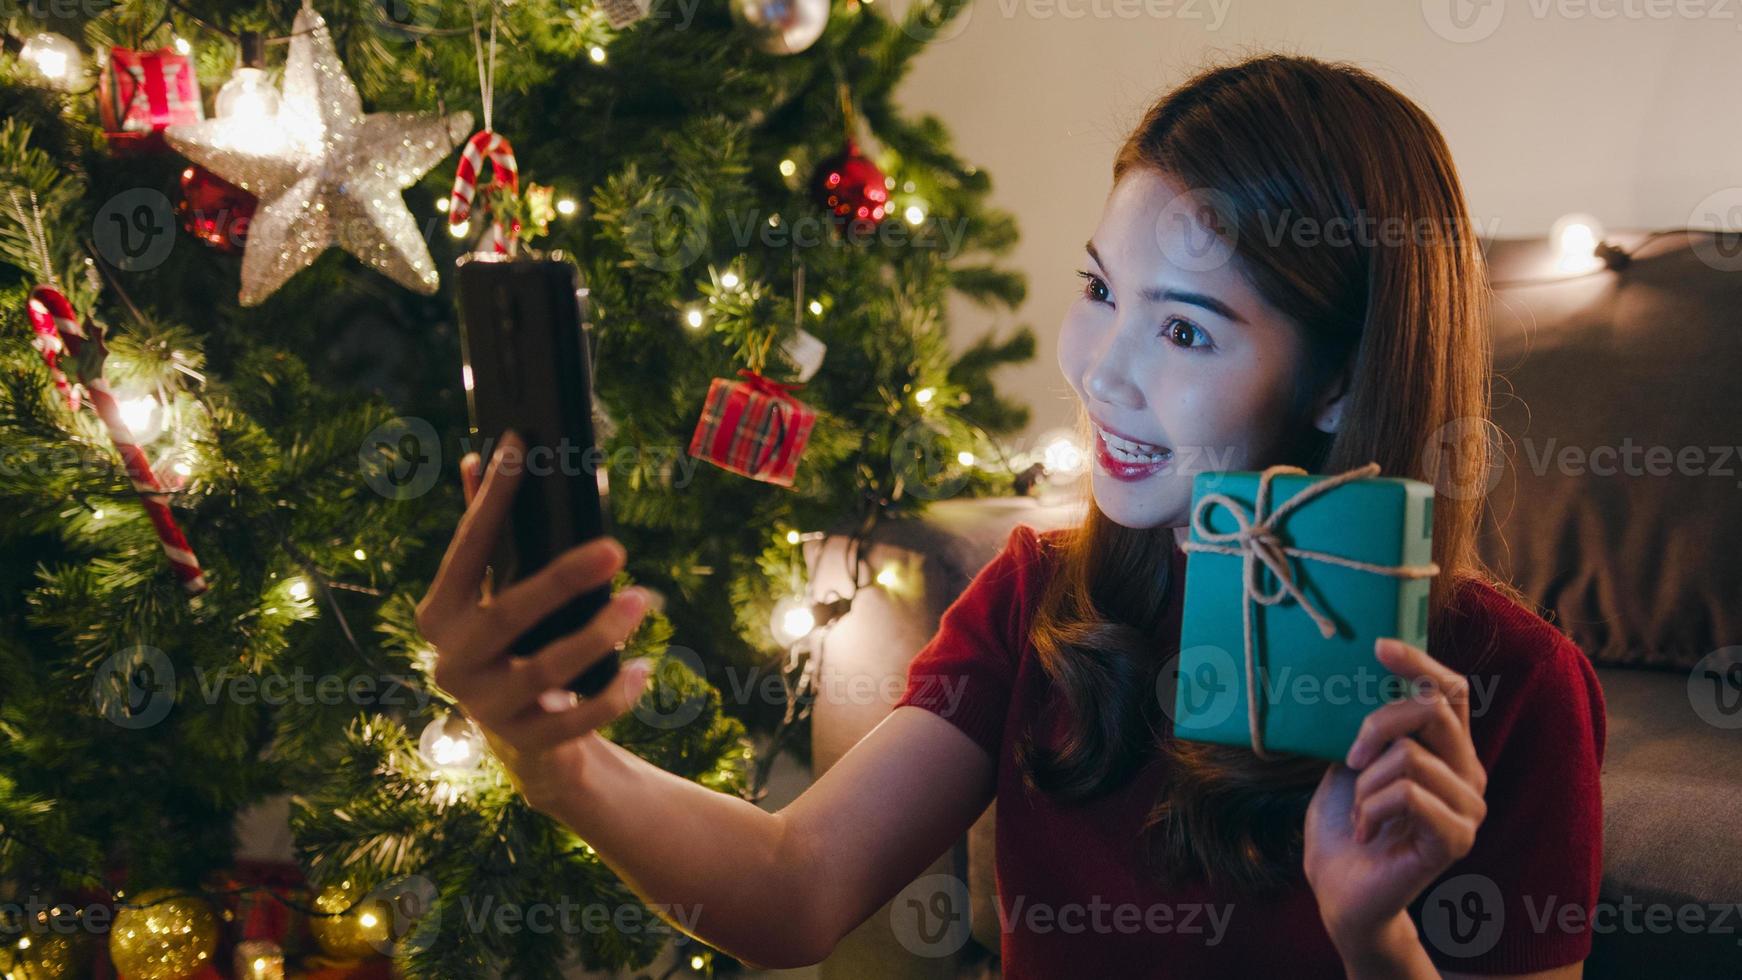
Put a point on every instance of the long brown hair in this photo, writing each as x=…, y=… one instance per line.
x=1402, y=307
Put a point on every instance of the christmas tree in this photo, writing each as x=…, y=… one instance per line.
x=230, y=419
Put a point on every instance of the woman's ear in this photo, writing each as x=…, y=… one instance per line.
x=1328, y=416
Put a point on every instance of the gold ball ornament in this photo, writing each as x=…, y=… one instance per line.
x=47, y=956
x=366, y=930
x=171, y=936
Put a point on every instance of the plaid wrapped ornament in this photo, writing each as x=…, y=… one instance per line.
x=753, y=427
x=141, y=92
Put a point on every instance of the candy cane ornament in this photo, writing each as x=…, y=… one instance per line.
x=51, y=315
x=492, y=148
x=48, y=343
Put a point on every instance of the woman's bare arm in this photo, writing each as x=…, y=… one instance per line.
x=773, y=889
x=779, y=890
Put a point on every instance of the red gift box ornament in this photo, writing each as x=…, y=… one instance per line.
x=141, y=92
x=754, y=427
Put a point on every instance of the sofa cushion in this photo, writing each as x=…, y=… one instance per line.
x=1617, y=508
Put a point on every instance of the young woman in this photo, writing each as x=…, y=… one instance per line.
x=1284, y=272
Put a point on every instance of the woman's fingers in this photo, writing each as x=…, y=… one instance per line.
x=471, y=475
x=501, y=688
x=1409, y=761
x=565, y=659
x=455, y=589
x=1429, y=720
x=519, y=607
x=1415, y=664
x=1436, y=714
x=1447, y=834
x=542, y=728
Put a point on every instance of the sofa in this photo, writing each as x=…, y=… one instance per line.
x=1638, y=561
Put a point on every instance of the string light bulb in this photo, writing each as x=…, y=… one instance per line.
x=249, y=96
x=53, y=57
x=796, y=617
x=452, y=744
x=137, y=413
x=1061, y=454
x=793, y=620
x=1576, y=238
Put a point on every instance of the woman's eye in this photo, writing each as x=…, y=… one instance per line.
x=1093, y=287
x=1184, y=333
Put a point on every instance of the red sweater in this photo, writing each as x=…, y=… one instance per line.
x=1072, y=905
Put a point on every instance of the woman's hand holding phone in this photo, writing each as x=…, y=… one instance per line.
x=540, y=731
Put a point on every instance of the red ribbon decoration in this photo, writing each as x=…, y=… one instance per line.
x=766, y=386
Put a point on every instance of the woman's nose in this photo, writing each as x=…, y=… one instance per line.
x=1109, y=379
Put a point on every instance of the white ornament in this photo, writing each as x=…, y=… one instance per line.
x=806, y=353
x=782, y=26
x=326, y=174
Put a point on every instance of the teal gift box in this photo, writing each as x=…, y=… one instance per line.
x=1290, y=579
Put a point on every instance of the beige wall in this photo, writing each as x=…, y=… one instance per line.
x=1621, y=108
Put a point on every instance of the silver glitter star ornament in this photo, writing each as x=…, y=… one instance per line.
x=325, y=173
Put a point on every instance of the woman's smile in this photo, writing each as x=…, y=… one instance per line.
x=1117, y=458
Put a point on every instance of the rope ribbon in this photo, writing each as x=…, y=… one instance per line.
x=52, y=316
x=1256, y=541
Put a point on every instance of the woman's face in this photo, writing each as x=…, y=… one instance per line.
x=1169, y=347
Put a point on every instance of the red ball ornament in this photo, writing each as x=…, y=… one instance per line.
x=851, y=186
x=214, y=210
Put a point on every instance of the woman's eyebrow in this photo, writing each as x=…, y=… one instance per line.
x=1154, y=295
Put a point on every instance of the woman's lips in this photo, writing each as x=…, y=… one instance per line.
x=1120, y=469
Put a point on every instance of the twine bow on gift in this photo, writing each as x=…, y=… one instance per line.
x=1256, y=540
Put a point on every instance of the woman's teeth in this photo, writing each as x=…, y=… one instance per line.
x=1127, y=451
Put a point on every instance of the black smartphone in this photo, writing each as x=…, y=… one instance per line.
x=527, y=367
